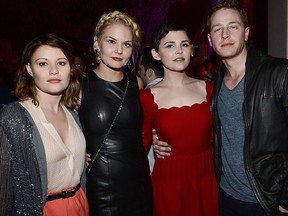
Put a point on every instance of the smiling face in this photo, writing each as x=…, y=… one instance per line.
x=115, y=45
x=50, y=70
x=227, y=34
x=174, y=51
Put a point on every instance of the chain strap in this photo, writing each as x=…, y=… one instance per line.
x=111, y=126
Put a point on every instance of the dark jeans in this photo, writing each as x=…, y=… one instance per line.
x=229, y=206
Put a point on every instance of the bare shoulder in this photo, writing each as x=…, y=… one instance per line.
x=196, y=83
x=158, y=88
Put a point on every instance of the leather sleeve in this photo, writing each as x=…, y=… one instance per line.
x=285, y=92
x=283, y=202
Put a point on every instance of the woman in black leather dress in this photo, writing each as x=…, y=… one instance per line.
x=118, y=180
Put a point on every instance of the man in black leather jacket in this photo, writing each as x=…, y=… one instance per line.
x=250, y=118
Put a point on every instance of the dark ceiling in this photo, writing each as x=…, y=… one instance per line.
x=21, y=20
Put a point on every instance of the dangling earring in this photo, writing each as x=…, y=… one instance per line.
x=97, y=54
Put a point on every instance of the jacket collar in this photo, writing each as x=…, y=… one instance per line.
x=252, y=65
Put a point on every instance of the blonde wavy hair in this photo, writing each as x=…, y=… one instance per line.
x=117, y=17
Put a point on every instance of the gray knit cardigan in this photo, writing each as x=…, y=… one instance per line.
x=23, y=167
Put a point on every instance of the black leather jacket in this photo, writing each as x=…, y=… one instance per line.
x=265, y=114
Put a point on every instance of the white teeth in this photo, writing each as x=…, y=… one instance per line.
x=179, y=59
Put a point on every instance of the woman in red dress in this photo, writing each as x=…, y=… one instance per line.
x=178, y=108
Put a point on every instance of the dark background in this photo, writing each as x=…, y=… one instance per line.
x=22, y=20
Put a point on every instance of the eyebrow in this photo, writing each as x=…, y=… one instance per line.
x=41, y=59
x=233, y=22
x=168, y=42
x=46, y=59
x=130, y=41
x=183, y=41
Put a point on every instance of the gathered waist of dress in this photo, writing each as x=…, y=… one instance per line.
x=186, y=155
x=178, y=166
x=189, y=150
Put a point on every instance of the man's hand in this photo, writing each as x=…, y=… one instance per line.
x=160, y=148
x=88, y=159
x=283, y=210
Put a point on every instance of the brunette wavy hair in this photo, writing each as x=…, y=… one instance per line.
x=25, y=86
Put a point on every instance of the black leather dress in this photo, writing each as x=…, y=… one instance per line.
x=119, y=180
